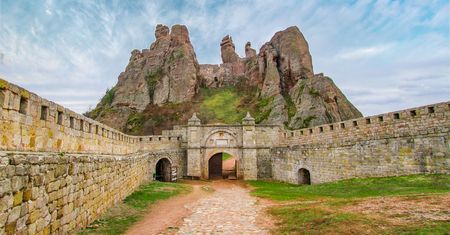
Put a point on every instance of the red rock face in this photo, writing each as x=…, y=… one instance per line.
x=161, y=31
x=294, y=60
x=228, y=50
x=249, y=51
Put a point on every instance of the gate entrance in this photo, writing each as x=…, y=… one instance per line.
x=222, y=166
x=163, y=171
x=303, y=176
x=215, y=167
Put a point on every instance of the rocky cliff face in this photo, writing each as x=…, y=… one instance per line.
x=299, y=98
x=167, y=72
x=278, y=83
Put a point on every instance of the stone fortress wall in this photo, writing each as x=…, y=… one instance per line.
x=31, y=123
x=410, y=141
x=59, y=170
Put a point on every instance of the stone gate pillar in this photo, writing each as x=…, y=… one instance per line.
x=193, y=147
x=249, y=162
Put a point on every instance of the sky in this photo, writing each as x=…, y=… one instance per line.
x=383, y=55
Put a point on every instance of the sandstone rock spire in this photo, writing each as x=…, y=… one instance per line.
x=227, y=50
x=249, y=51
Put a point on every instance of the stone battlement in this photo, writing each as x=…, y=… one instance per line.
x=424, y=120
x=31, y=123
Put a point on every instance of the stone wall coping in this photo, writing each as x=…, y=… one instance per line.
x=385, y=118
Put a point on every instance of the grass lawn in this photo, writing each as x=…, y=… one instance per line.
x=414, y=204
x=120, y=217
x=221, y=105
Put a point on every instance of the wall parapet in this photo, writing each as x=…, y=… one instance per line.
x=31, y=123
x=423, y=120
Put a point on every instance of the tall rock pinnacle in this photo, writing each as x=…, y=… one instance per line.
x=228, y=50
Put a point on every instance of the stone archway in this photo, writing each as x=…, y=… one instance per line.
x=222, y=165
x=304, y=177
x=163, y=170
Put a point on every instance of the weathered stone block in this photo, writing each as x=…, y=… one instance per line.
x=3, y=219
x=33, y=216
x=31, y=228
x=6, y=202
x=10, y=228
x=19, y=159
x=18, y=183
x=18, y=198
x=14, y=214
x=21, y=170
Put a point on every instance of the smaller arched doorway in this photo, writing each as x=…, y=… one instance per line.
x=163, y=170
x=222, y=166
x=304, y=177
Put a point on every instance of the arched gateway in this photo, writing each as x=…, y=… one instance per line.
x=304, y=177
x=163, y=170
x=206, y=145
x=222, y=166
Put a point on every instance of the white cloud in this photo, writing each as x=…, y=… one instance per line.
x=388, y=49
x=359, y=53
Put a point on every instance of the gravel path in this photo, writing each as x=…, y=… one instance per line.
x=229, y=210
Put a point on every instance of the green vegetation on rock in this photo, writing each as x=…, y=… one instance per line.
x=313, y=92
x=104, y=106
x=109, y=96
x=120, y=217
x=262, y=110
x=152, y=78
x=178, y=54
x=221, y=105
x=135, y=122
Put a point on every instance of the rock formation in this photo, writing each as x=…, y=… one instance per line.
x=249, y=51
x=167, y=72
x=281, y=76
x=227, y=49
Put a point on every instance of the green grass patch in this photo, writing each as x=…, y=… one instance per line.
x=320, y=209
x=442, y=227
x=221, y=105
x=120, y=217
x=355, y=188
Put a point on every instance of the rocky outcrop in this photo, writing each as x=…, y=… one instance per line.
x=294, y=58
x=268, y=69
x=228, y=50
x=284, y=89
x=249, y=51
x=318, y=101
x=167, y=72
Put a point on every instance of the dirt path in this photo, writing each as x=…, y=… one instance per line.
x=228, y=210
x=167, y=213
